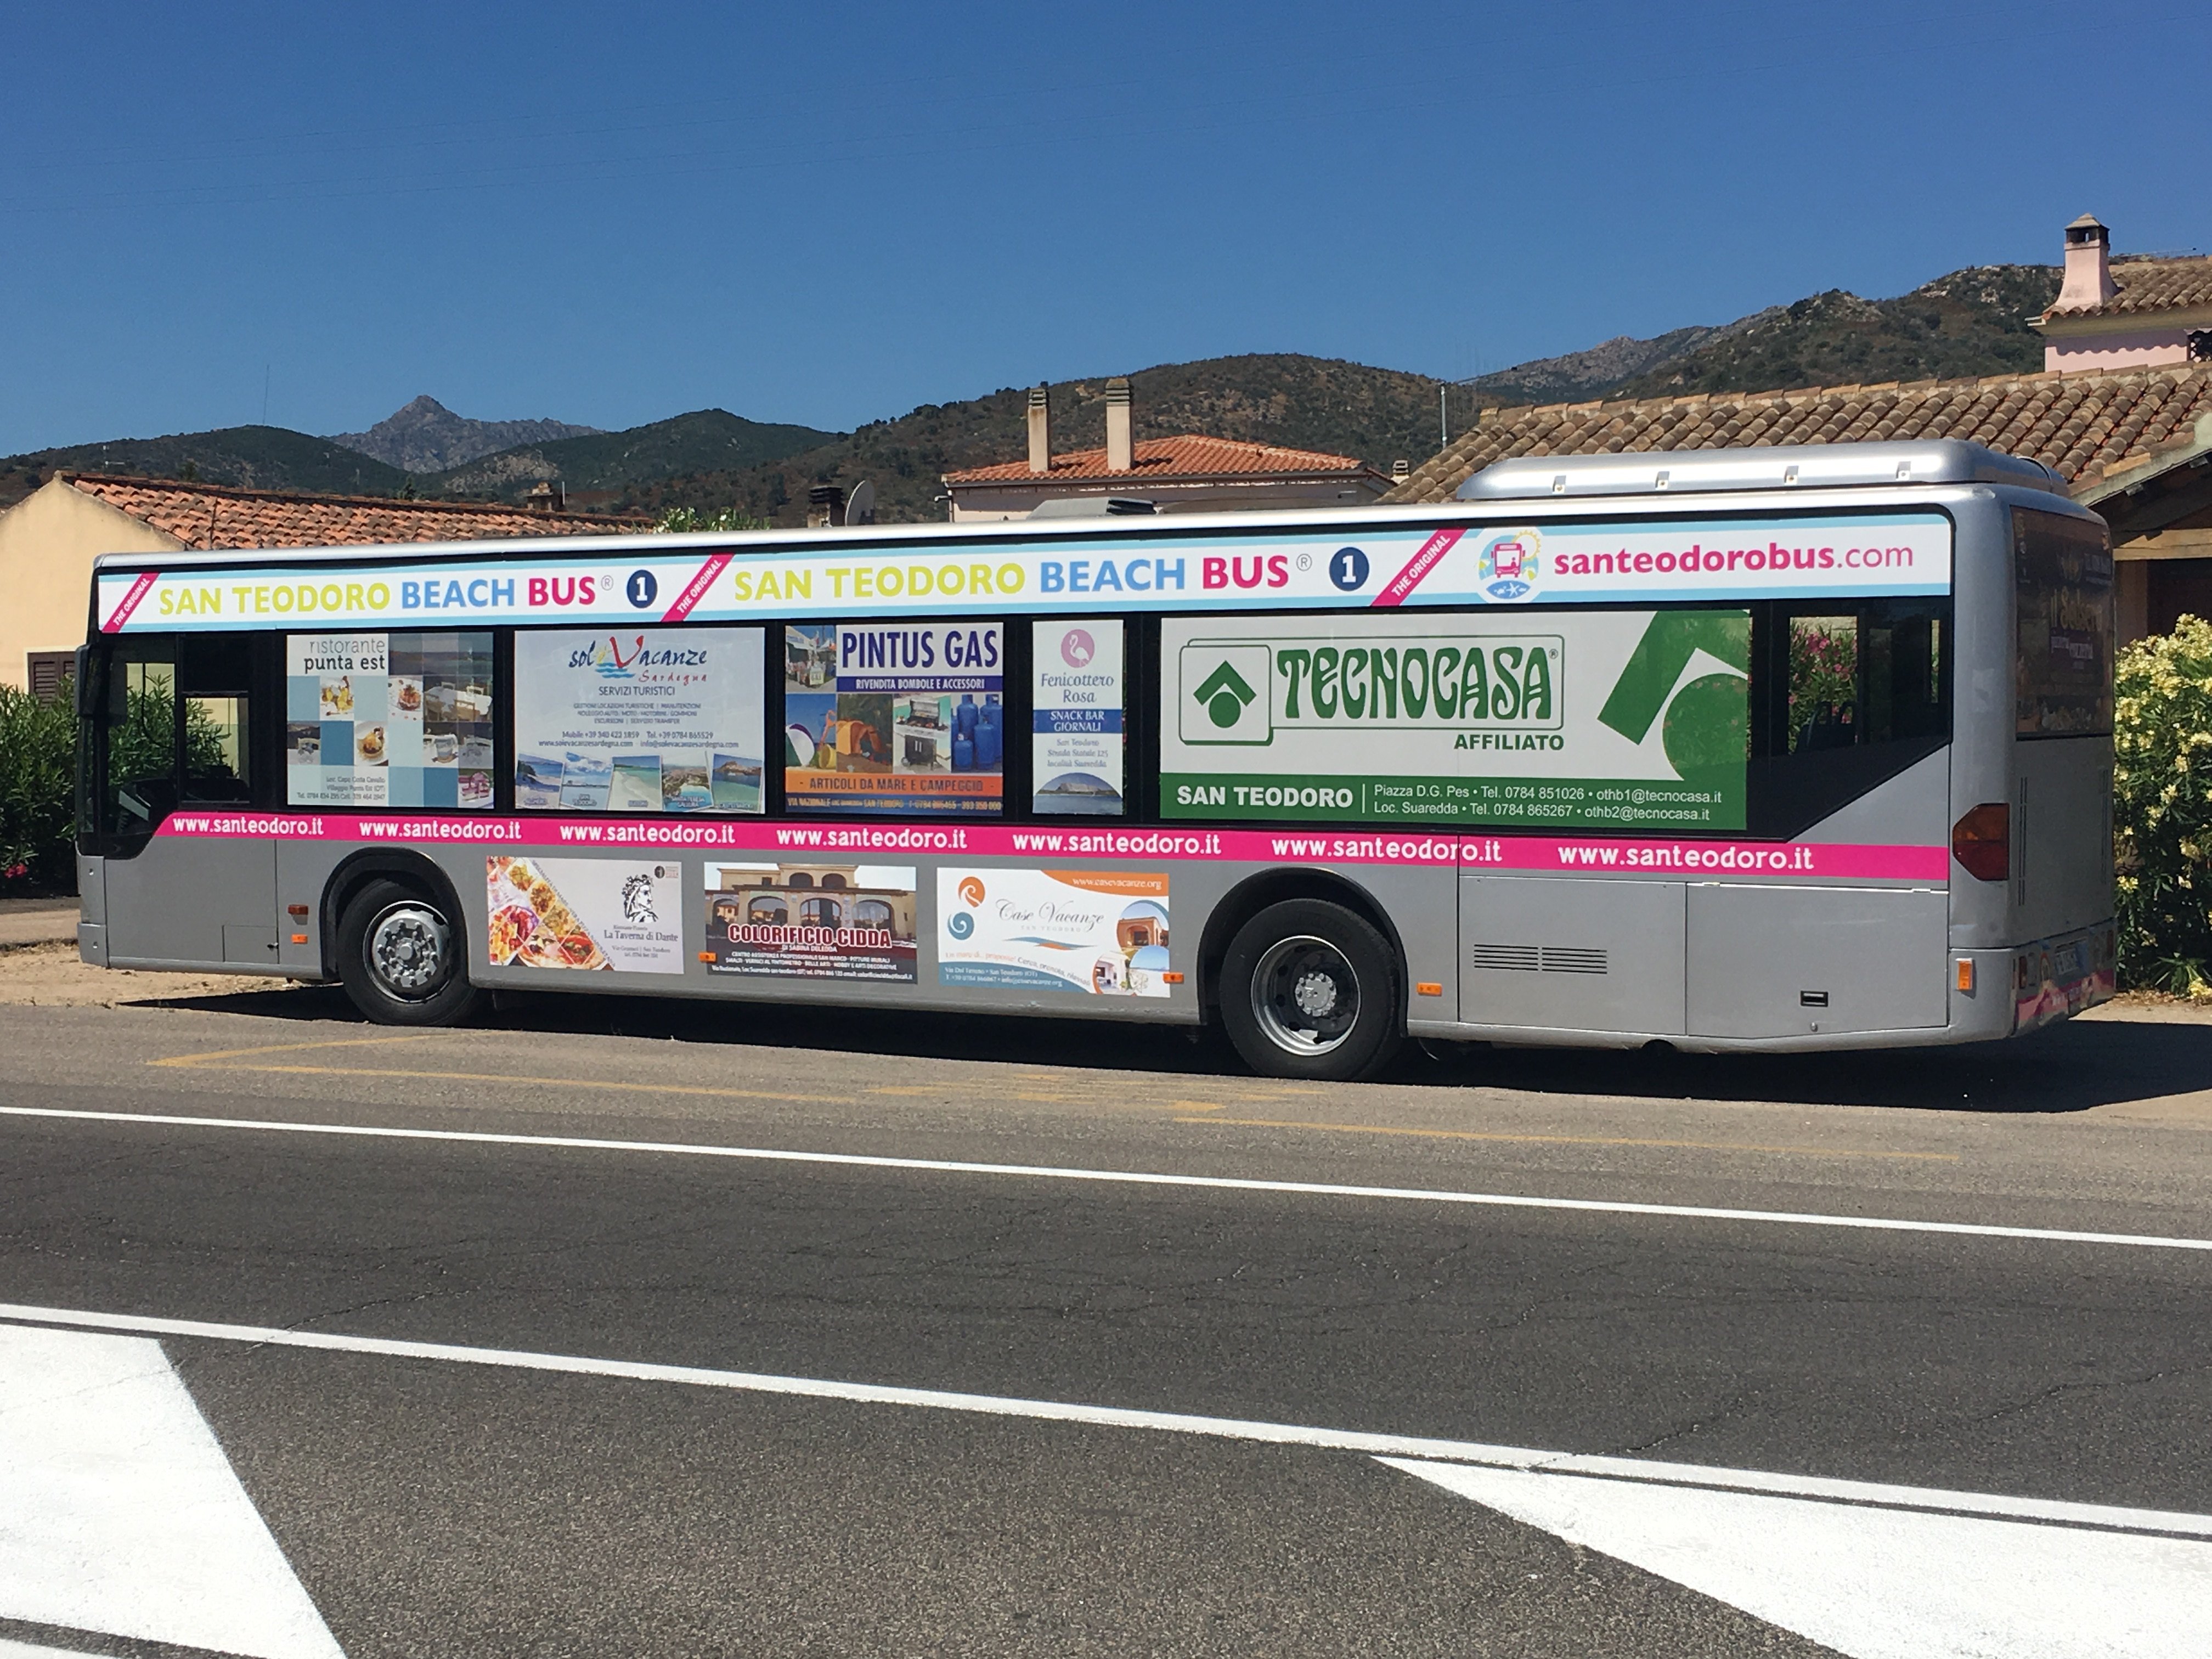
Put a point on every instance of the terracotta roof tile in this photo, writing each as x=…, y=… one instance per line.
x=208, y=517
x=1185, y=457
x=2079, y=424
x=2147, y=285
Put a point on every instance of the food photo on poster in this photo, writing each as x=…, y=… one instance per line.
x=811, y=921
x=1598, y=719
x=388, y=720
x=1076, y=703
x=593, y=914
x=894, y=717
x=1101, y=931
x=654, y=719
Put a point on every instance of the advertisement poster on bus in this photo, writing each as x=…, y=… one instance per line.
x=1593, y=720
x=653, y=720
x=894, y=717
x=811, y=921
x=1076, y=718
x=1101, y=931
x=388, y=720
x=603, y=914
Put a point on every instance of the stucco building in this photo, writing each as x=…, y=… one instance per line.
x=1188, y=473
x=49, y=540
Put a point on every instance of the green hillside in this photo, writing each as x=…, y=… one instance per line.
x=1379, y=415
x=706, y=440
x=1972, y=322
x=252, y=456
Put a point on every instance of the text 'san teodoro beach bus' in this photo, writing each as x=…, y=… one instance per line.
x=1772, y=749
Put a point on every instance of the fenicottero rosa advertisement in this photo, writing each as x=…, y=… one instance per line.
x=1598, y=718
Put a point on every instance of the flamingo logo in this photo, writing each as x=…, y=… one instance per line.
x=1077, y=647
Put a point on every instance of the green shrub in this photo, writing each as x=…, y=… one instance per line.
x=2162, y=809
x=37, y=769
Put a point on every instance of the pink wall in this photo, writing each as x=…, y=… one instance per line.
x=2149, y=348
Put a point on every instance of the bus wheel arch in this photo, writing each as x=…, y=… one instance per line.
x=422, y=901
x=1275, y=890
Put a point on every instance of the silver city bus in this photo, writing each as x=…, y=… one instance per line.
x=1777, y=748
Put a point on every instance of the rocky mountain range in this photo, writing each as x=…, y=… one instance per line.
x=1972, y=322
x=426, y=436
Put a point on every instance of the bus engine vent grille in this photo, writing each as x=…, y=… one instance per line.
x=1537, y=958
x=1569, y=959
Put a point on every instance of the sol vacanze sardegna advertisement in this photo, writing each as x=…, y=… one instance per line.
x=1597, y=719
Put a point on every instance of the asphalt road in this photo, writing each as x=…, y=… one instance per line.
x=479, y=1499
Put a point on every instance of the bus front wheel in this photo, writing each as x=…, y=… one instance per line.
x=400, y=957
x=1310, y=989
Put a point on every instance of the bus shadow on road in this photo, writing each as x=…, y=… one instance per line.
x=2072, y=1066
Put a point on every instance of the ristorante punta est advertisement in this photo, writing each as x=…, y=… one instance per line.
x=1614, y=719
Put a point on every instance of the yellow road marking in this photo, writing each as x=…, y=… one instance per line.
x=290, y=1049
x=1561, y=1141
x=207, y=1062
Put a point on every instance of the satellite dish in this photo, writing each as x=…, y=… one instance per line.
x=861, y=505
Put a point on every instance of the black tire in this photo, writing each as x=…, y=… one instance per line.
x=402, y=958
x=1310, y=989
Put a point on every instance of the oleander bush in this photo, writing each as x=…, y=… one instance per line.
x=38, y=767
x=2162, y=809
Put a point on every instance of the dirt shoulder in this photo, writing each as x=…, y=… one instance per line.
x=50, y=975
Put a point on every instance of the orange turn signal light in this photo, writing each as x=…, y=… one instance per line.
x=298, y=938
x=706, y=956
x=1172, y=979
x=1429, y=987
x=1967, y=974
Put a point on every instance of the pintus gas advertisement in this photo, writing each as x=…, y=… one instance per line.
x=1605, y=719
x=894, y=717
x=811, y=921
x=584, y=912
x=1103, y=931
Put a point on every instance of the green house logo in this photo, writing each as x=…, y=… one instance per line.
x=1223, y=684
x=1225, y=694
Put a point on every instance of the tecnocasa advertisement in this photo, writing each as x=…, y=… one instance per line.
x=1613, y=719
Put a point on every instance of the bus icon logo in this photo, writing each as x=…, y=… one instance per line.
x=1222, y=700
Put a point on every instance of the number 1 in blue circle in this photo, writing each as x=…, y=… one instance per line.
x=1348, y=569
x=642, y=587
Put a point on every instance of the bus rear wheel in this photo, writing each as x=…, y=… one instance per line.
x=400, y=957
x=1310, y=989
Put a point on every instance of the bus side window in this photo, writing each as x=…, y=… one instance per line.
x=140, y=786
x=214, y=672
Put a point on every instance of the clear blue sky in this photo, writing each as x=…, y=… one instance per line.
x=830, y=214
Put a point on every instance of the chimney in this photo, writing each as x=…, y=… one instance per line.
x=1120, y=439
x=826, y=506
x=1401, y=470
x=1040, y=429
x=545, y=496
x=2088, y=267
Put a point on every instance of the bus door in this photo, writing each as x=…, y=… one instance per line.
x=173, y=735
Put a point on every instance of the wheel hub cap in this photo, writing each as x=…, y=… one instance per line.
x=408, y=949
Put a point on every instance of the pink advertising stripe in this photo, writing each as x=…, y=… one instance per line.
x=139, y=590
x=1066, y=848
x=1418, y=568
x=698, y=588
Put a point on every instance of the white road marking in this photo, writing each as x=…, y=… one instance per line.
x=2174, y=1523
x=119, y=1513
x=1129, y=1177
x=1879, y=1582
